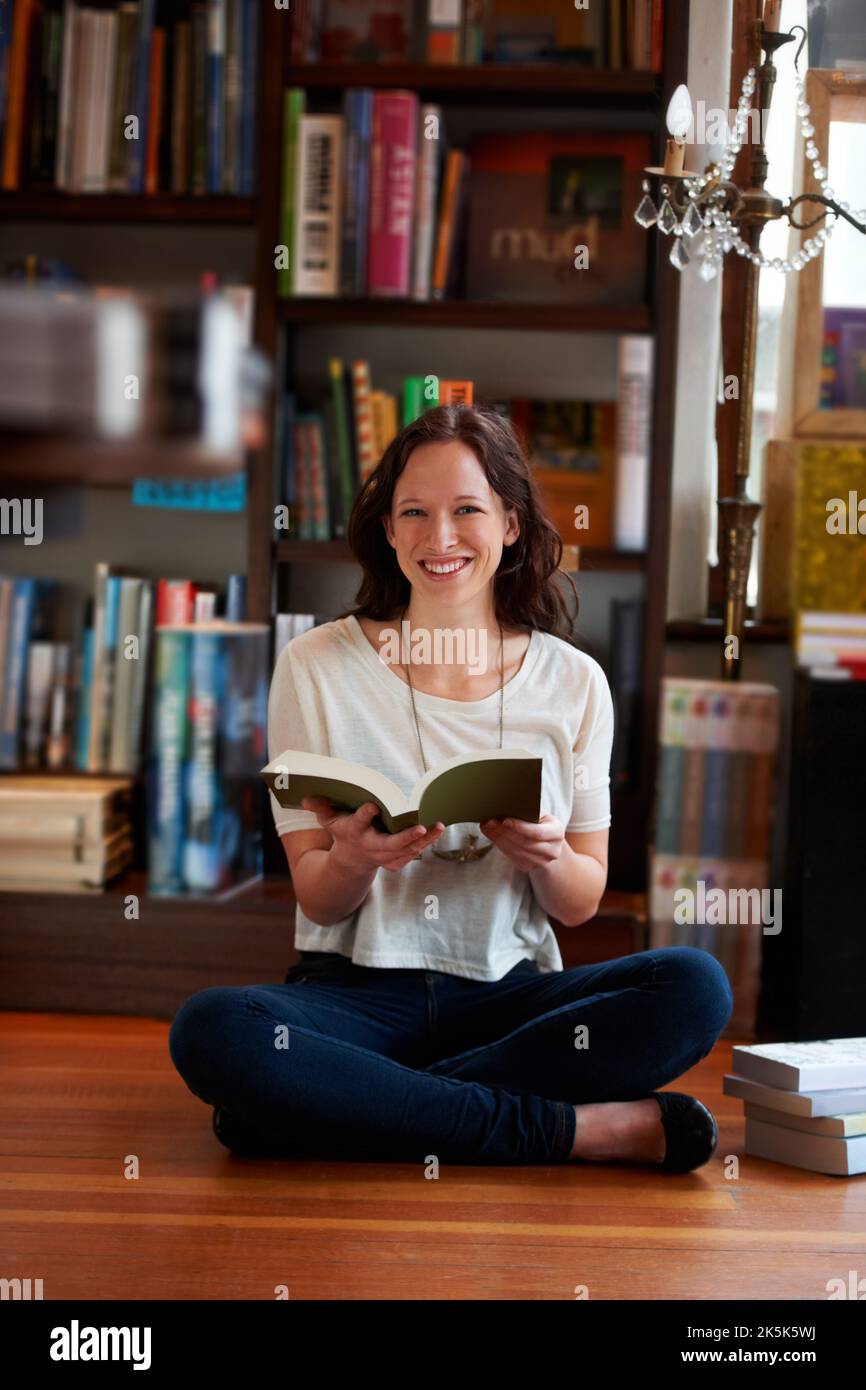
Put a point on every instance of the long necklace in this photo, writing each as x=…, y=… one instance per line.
x=468, y=850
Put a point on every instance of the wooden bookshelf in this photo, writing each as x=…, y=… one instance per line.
x=79, y=953
x=178, y=944
x=51, y=205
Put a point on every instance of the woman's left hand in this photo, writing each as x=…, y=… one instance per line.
x=527, y=845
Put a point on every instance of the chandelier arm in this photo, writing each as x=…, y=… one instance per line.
x=829, y=206
x=793, y=30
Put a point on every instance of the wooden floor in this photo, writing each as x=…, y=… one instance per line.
x=81, y=1094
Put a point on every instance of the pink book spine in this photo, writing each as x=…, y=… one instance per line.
x=392, y=192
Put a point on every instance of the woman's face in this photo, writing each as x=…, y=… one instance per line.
x=445, y=513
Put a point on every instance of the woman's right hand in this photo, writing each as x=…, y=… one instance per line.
x=360, y=847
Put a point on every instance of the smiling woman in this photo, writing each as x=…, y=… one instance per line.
x=430, y=1011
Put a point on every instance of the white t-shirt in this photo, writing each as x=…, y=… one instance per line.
x=332, y=693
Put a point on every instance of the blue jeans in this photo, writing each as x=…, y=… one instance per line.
x=355, y=1062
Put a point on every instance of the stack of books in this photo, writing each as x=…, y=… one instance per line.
x=63, y=834
x=710, y=863
x=804, y=1102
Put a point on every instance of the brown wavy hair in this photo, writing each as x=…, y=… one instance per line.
x=525, y=592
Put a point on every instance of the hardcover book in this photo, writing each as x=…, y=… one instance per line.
x=473, y=787
x=550, y=218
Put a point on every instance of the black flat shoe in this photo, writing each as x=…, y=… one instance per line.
x=236, y=1136
x=691, y=1132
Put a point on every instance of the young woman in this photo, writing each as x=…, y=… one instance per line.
x=430, y=1013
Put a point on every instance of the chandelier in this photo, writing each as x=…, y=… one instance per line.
x=702, y=213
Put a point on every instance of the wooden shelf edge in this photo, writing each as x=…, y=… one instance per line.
x=610, y=85
x=44, y=205
x=100, y=463
x=469, y=313
x=712, y=629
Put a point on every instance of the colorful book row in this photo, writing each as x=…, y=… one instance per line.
x=140, y=96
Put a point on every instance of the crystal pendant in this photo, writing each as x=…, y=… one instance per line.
x=679, y=255
x=692, y=222
x=707, y=268
x=667, y=218
x=646, y=212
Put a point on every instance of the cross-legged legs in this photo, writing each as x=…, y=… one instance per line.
x=404, y=1064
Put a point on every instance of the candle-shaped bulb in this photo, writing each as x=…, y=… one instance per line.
x=679, y=113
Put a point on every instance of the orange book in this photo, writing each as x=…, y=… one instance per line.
x=364, y=434
x=455, y=393
x=16, y=92
x=447, y=219
x=154, y=111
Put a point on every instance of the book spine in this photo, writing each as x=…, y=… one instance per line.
x=201, y=849
x=444, y=28
x=392, y=185
x=293, y=109
x=250, y=39
x=670, y=799
x=121, y=102
x=15, y=671
x=447, y=223
x=341, y=420
x=155, y=106
x=357, y=115
x=693, y=800
x=40, y=665
x=657, y=35
x=109, y=669
x=199, y=114
x=216, y=48
x=716, y=773
x=455, y=392
x=231, y=98
x=63, y=150
x=243, y=723
x=367, y=459
x=321, y=517
x=318, y=206
x=287, y=456
x=633, y=442
x=126, y=658
x=181, y=106
x=138, y=146
x=85, y=689
x=139, y=680
x=303, y=511
x=427, y=177
x=16, y=93
x=166, y=802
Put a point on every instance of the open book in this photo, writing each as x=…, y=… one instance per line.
x=473, y=787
